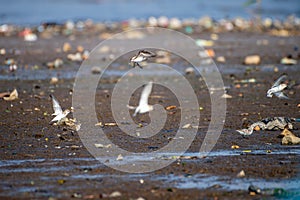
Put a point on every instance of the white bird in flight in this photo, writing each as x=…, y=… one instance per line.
x=143, y=106
x=141, y=56
x=277, y=88
x=58, y=113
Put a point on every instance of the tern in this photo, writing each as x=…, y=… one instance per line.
x=277, y=88
x=58, y=113
x=143, y=106
x=142, y=55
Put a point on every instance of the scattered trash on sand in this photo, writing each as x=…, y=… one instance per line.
x=226, y=96
x=12, y=96
x=96, y=70
x=204, y=43
x=55, y=64
x=288, y=61
x=270, y=123
x=289, y=138
x=221, y=59
x=241, y=174
x=54, y=80
x=252, y=60
x=277, y=192
x=120, y=157
x=189, y=70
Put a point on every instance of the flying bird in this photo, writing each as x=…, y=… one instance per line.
x=58, y=113
x=143, y=106
x=142, y=55
x=278, y=87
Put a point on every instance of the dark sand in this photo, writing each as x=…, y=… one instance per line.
x=71, y=171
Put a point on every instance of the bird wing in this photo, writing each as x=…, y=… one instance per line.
x=146, y=53
x=131, y=107
x=279, y=80
x=56, y=118
x=281, y=95
x=56, y=107
x=145, y=94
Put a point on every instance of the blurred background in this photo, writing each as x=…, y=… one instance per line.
x=33, y=12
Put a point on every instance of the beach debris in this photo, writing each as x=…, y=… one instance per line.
x=96, y=70
x=13, y=67
x=72, y=124
x=54, y=80
x=204, y=43
x=250, y=80
x=189, y=70
x=98, y=145
x=288, y=61
x=252, y=60
x=226, y=96
x=60, y=116
x=30, y=37
x=66, y=47
x=85, y=54
x=270, y=123
x=214, y=36
x=276, y=192
x=186, y=126
x=11, y=63
x=289, y=137
x=55, y=64
x=171, y=107
x=80, y=49
x=115, y=194
x=2, y=51
x=120, y=157
x=163, y=21
x=106, y=124
x=235, y=146
x=12, y=96
x=210, y=53
x=175, y=23
x=278, y=87
x=143, y=106
x=77, y=57
x=76, y=195
x=221, y=59
x=3, y=94
x=241, y=174
x=206, y=22
x=253, y=190
x=141, y=56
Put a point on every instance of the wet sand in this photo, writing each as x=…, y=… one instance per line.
x=37, y=163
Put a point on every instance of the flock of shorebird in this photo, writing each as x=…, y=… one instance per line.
x=143, y=107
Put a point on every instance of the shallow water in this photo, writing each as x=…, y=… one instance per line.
x=34, y=12
x=50, y=165
x=46, y=74
x=82, y=169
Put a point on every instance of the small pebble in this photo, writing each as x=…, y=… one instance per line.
x=252, y=60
